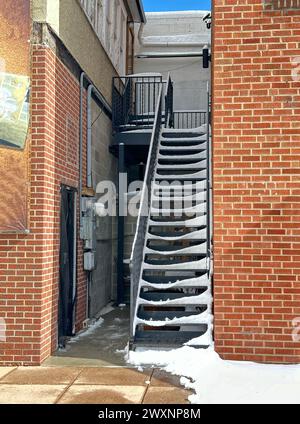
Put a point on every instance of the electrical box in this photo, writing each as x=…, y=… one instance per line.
x=89, y=261
x=88, y=223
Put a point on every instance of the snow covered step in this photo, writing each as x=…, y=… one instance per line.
x=166, y=314
x=193, y=250
x=200, y=208
x=187, y=266
x=194, y=235
x=167, y=283
x=174, y=299
x=197, y=166
x=193, y=176
x=177, y=192
x=182, y=158
x=188, y=185
x=196, y=222
x=184, y=141
x=183, y=148
x=169, y=339
x=200, y=318
x=194, y=132
x=199, y=197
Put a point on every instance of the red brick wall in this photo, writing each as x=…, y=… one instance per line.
x=256, y=154
x=29, y=264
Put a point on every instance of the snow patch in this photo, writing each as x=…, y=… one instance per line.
x=226, y=382
x=90, y=330
x=106, y=310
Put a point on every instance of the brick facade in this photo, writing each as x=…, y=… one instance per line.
x=29, y=264
x=256, y=154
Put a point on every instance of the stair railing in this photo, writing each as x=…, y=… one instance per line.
x=134, y=100
x=169, y=104
x=208, y=185
x=137, y=255
x=188, y=119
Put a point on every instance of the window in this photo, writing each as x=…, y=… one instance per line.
x=94, y=11
x=108, y=25
x=109, y=20
x=122, y=43
x=99, y=19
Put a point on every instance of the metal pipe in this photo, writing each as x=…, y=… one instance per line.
x=121, y=225
x=208, y=186
x=82, y=78
x=168, y=55
x=107, y=109
x=89, y=138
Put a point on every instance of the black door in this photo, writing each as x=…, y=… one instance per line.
x=67, y=269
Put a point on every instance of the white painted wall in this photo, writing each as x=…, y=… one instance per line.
x=169, y=32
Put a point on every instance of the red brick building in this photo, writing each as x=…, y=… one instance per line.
x=256, y=157
x=256, y=179
x=64, y=46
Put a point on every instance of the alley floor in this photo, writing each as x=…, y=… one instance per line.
x=72, y=385
x=92, y=370
x=102, y=345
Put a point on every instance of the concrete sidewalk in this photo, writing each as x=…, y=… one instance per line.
x=107, y=385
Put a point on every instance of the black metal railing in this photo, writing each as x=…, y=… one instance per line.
x=134, y=101
x=188, y=119
x=137, y=256
x=209, y=185
x=169, y=104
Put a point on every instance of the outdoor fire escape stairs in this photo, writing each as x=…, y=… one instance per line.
x=171, y=291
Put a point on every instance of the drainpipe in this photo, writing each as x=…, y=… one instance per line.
x=89, y=138
x=83, y=76
x=92, y=91
x=154, y=55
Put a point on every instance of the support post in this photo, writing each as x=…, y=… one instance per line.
x=121, y=225
x=208, y=186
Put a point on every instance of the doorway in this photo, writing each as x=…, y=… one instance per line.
x=67, y=265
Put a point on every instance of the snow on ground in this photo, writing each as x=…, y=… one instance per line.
x=226, y=382
x=90, y=330
x=106, y=310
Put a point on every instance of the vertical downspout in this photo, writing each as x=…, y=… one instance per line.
x=208, y=186
x=89, y=138
x=104, y=104
x=121, y=225
x=83, y=76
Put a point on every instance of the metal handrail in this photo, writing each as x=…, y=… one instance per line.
x=134, y=100
x=169, y=101
x=137, y=254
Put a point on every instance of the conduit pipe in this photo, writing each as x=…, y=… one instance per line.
x=92, y=92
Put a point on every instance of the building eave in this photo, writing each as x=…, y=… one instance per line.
x=137, y=11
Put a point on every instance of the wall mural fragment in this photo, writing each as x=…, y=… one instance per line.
x=15, y=29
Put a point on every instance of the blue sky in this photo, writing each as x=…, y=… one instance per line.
x=159, y=5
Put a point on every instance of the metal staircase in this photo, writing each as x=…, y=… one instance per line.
x=171, y=293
